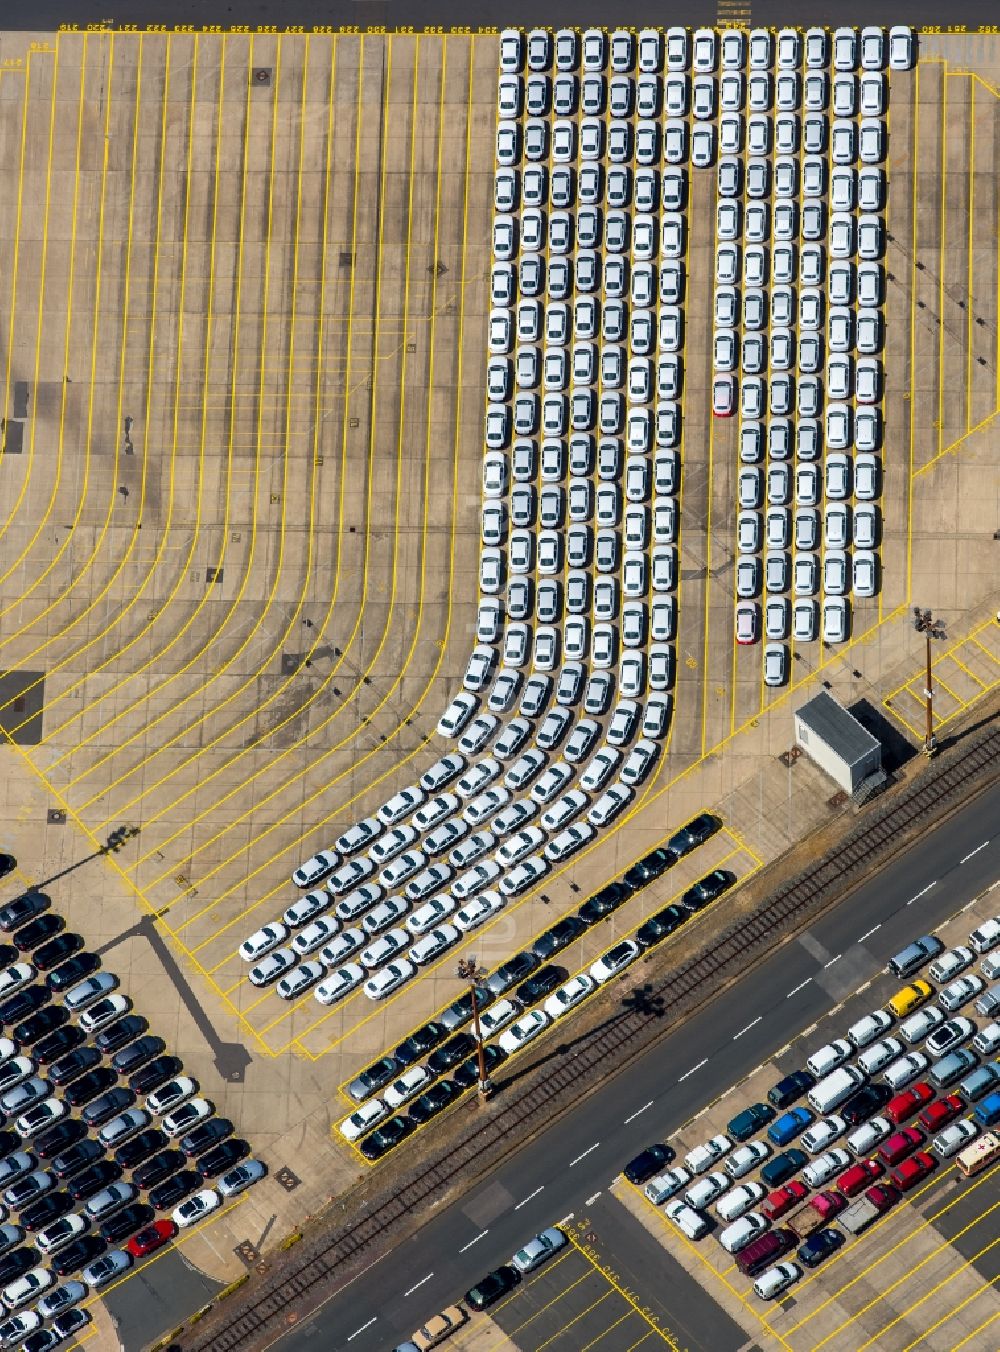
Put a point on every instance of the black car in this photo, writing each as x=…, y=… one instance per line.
x=383, y=1138
x=8, y=954
x=559, y=936
x=70, y=1322
x=605, y=901
x=22, y=909
x=126, y=1222
x=418, y=1044
x=45, y=1021
x=57, y=950
x=94, y=1178
x=141, y=1051
x=467, y=1075
x=513, y=970
x=25, y=1002
x=77, y=1157
x=47, y=1208
x=174, y=1190
x=104, y=1108
x=16, y=1263
x=494, y=1285
x=706, y=889
x=453, y=1051
x=156, y=1169
x=648, y=1163
x=433, y=1101
x=60, y=1042
x=59, y=1137
x=120, y=1034
x=9, y=1140
x=819, y=1246
x=744, y=1124
x=206, y=1134
x=661, y=924
x=694, y=834
x=460, y=1012
x=157, y=1072
x=88, y=1086
x=792, y=1087
x=40, y=929
x=78, y=1254
x=649, y=867
x=379, y=1073
x=7, y=864
x=865, y=1103
x=74, y=1063
x=71, y=971
x=222, y=1157
x=141, y=1147
x=780, y=1168
x=540, y=983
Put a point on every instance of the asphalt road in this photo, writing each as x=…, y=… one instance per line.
x=554, y=1174
x=49, y=14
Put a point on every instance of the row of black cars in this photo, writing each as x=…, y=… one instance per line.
x=45, y=1176
x=449, y=1047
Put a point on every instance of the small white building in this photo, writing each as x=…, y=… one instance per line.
x=837, y=742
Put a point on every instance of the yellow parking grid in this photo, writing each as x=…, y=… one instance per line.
x=287, y=371
x=616, y=1284
x=910, y=693
x=975, y=1337
x=914, y=162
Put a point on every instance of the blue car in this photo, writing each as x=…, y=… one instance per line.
x=819, y=1247
x=788, y=1126
x=744, y=1124
x=782, y=1167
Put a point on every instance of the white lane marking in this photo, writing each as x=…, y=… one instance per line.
x=591, y=1200
x=637, y=1112
x=528, y=1199
x=832, y=961
x=478, y=1237
x=965, y=858
x=756, y=1021
x=585, y=1154
x=419, y=1284
x=868, y=933
x=800, y=986
x=701, y=1063
x=922, y=893
x=362, y=1328
x=566, y=1219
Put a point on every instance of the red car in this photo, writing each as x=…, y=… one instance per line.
x=151, y=1237
x=900, y=1144
x=778, y=1203
x=942, y=1112
x=911, y=1171
x=883, y=1196
x=827, y=1204
x=904, y=1105
x=852, y=1180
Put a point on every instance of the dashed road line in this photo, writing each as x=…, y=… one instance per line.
x=352, y=1336
x=966, y=857
x=923, y=892
x=637, y=1112
x=832, y=961
x=418, y=1285
x=703, y=1062
x=482, y=1235
x=528, y=1198
x=585, y=1154
x=801, y=986
x=868, y=933
x=752, y=1024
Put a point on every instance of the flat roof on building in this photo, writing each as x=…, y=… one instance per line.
x=839, y=729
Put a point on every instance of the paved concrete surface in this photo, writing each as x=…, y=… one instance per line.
x=245, y=361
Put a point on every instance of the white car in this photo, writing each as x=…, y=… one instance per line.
x=263, y=941
x=498, y=1016
x=863, y=1140
x=363, y=1119
x=271, y=967
x=523, y=1030
x=955, y=1137
x=569, y=995
x=615, y=960
x=746, y=1157
x=188, y=1115
x=825, y=1167
x=702, y=1157
x=389, y=979
x=822, y=1133
x=901, y=47
x=480, y=909
x=196, y=1208
x=171, y=1095
x=339, y=983
x=314, y=870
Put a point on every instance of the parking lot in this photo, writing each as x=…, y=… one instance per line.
x=921, y=1275
x=243, y=488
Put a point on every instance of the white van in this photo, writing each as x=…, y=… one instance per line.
x=831, y=1092
x=776, y=1279
x=687, y=1219
x=986, y=936
x=738, y=1235
x=990, y=965
x=828, y=1058
x=664, y=1186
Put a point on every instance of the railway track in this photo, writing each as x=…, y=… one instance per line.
x=541, y=1097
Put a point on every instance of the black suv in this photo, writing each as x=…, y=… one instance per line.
x=647, y=1163
x=88, y=1086
x=120, y=1034
x=77, y=1157
x=513, y=970
x=22, y=909
x=661, y=924
x=707, y=889
x=222, y=1157
x=540, y=983
x=175, y=1189
x=694, y=834
x=605, y=901
x=418, y=1044
x=453, y=1051
x=60, y=1042
x=40, y=929
x=74, y=1063
x=94, y=1178
x=71, y=971
x=45, y=1021
x=60, y=1137
x=155, y=1073
x=866, y=1102
x=467, y=1074
x=561, y=934
x=141, y=1147
x=57, y=950
x=17, y=1263
x=126, y=1222
x=649, y=867
x=792, y=1087
x=156, y=1169
x=141, y=1051
x=101, y=1110
x=432, y=1102
x=78, y=1254
x=494, y=1285
x=206, y=1134
x=25, y=1002
x=47, y=1208
x=383, y=1138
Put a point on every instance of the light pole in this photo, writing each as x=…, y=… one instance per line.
x=925, y=623
x=470, y=971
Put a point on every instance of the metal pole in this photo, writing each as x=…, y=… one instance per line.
x=930, y=745
x=485, y=1083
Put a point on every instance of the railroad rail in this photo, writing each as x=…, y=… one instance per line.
x=346, y=1247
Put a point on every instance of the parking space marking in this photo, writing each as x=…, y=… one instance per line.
x=627, y=1296
x=969, y=1336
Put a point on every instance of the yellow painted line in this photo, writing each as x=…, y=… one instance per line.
x=954, y=445
x=969, y=1336
x=25, y=109
x=612, y=1281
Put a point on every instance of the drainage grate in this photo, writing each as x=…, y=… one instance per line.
x=789, y=757
x=213, y=575
x=288, y=1180
x=261, y=75
x=247, y=1253
x=56, y=816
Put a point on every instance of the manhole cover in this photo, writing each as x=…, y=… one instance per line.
x=56, y=816
x=288, y=1180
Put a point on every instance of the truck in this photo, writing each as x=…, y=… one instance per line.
x=805, y=1220
x=876, y=1201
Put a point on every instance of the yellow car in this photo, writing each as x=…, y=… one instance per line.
x=440, y=1327
x=906, y=1001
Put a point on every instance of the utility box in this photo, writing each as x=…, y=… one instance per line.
x=837, y=742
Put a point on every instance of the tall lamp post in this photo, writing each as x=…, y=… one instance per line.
x=925, y=623
x=470, y=971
